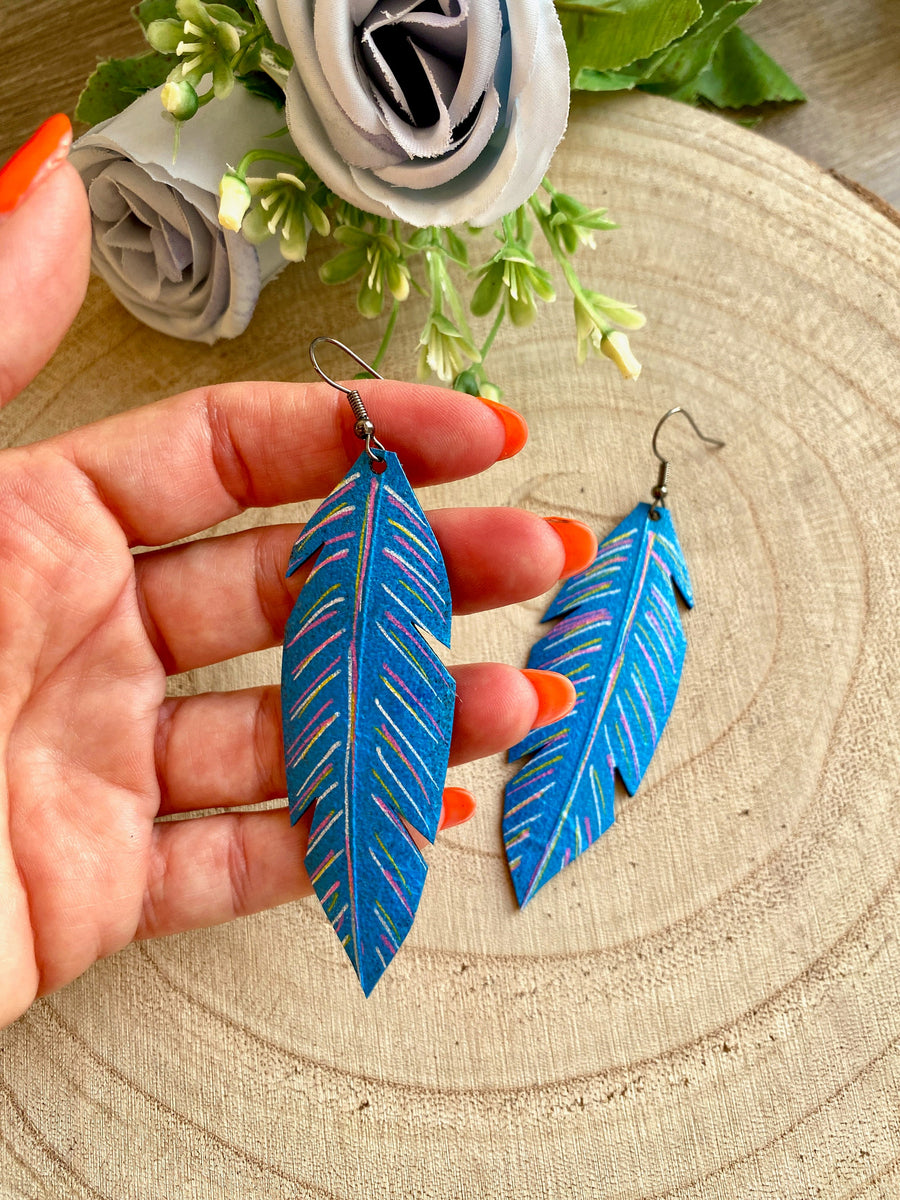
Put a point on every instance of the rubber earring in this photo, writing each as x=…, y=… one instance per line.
x=367, y=706
x=620, y=640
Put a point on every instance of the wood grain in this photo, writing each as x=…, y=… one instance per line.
x=707, y=1004
x=846, y=57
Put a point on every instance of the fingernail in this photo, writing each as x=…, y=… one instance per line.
x=555, y=693
x=459, y=806
x=514, y=426
x=31, y=163
x=579, y=542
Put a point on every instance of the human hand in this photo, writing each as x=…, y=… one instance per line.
x=93, y=752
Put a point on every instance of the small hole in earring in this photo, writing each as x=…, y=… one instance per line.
x=655, y=514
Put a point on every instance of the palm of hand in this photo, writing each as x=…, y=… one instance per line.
x=84, y=687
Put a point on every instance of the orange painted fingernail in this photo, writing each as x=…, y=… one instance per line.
x=47, y=147
x=514, y=426
x=555, y=693
x=579, y=542
x=459, y=806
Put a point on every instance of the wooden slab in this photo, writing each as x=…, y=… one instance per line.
x=707, y=1004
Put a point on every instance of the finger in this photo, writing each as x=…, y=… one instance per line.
x=224, y=749
x=45, y=242
x=173, y=468
x=210, y=600
x=213, y=869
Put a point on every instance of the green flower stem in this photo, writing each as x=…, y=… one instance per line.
x=442, y=286
x=575, y=284
x=388, y=334
x=274, y=156
x=495, y=329
x=432, y=258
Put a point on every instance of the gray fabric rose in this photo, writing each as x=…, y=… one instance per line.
x=156, y=238
x=433, y=111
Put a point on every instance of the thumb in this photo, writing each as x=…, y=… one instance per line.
x=45, y=243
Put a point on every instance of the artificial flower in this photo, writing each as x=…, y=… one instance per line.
x=157, y=240
x=435, y=112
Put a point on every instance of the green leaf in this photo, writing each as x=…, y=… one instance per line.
x=457, y=248
x=117, y=82
x=488, y=291
x=369, y=302
x=675, y=71
x=222, y=12
x=155, y=10
x=604, y=35
x=223, y=79
x=258, y=83
x=588, y=80
x=343, y=266
x=742, y=75
x=165, y=36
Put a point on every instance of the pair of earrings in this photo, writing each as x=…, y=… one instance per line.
x=368, y=706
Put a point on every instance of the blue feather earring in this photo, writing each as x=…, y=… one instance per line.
x=619, y=639
x=367, y=706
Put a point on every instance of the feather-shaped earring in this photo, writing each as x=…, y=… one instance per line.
x=621, y=643
x=367, y=706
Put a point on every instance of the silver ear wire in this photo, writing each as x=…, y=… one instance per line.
x=364, y=429
x=661, y=490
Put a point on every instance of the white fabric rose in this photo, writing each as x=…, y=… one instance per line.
x=156, y=237
x=433, y=111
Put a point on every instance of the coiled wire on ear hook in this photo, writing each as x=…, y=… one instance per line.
x=661, y=490
x=364, y=429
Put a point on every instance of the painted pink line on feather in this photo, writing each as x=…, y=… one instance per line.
x=422, y=585
x=312, y=687
x=624, y=721
x=395, y=746
x=312, y=720
x=312, y=654
x=646, y=705
x=411, y=549
x=311, y=787
x=389, y=877
x=413, y=516
x=649, y=658
x=665, y=607
x=651, y=620
x=391, y=815
x=414, y=699
x=416, y=641
x=316, y=830
x=324, y=562
x=326, y=616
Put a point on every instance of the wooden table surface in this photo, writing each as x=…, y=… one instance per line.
x=706, y=1005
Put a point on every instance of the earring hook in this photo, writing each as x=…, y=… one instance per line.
x=364, y=428
x=661, y=490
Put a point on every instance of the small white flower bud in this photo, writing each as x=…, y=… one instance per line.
x=234, y=200
x=179, y=98
x=615, y=346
